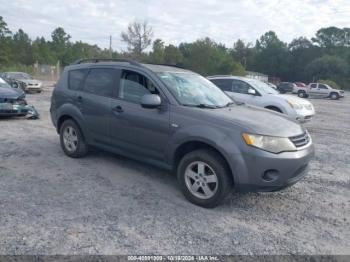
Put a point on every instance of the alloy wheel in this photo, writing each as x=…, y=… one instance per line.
x=201, y=180
x=70, y=139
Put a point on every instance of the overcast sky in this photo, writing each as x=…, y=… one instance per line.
x=175, y=21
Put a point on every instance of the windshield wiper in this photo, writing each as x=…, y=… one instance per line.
x=229, y=104
x=201, y=106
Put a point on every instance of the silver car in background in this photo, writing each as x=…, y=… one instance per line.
x=257, y=93
x=24, y=81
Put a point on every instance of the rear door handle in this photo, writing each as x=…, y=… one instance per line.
x=79, y=98
x=118, y=109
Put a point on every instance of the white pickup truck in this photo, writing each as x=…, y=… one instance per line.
x=321, y=91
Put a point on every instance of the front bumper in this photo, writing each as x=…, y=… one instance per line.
x=264, y=171
x=304, y=115
x=16, y=110
x=33, y=88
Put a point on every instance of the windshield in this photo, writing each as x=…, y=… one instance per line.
x=263, y=87
x=4, y=84
x=194, y=90
x=19, y=76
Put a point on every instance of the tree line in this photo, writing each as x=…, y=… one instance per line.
x=325, y=56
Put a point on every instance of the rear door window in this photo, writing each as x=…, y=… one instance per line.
x=100, y=81
x=76, y=78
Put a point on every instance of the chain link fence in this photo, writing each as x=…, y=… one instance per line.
x=47, y=72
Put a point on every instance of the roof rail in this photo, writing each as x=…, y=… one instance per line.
x=97, y=60
x=219, y=76
x=163, y=64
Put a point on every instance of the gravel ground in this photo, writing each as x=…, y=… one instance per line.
x=107, y=204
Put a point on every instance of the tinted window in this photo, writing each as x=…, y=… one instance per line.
x=133, y=86
x=223, y=84
x=313, y=85
x=76, y=78
x=322, y=86
x=240, y=87
x=100, y=81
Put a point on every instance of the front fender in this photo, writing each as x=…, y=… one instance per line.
x=221, y=141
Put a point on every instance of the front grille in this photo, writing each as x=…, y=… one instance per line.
x=300, y=140
x=8, y=111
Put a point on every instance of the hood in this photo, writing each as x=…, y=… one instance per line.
x=29, y=81
x=12, y=93
x=258, y=120
x=294, y=99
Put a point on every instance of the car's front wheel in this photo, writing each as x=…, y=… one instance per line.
x=72, y=140
x=334, y=96
x=204, y=178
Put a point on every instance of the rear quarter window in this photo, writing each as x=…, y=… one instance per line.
x=76, y=78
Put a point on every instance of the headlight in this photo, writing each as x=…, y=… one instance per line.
x=269, y=143
x=294, y=105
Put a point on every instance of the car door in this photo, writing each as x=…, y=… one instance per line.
x=323, y=90
x=226, y=86
x=139, y=130
x=241, y=92
x=95, y=101
x=313, y=92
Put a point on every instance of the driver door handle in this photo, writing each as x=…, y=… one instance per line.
x=118, y=109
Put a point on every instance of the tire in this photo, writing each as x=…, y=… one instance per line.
x=334, y=96
x=72, y=140
x=191, y=175
x=301, y=94
x=273, y=108
x=38, y=91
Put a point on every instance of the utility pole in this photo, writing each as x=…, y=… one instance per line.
x=110, y=46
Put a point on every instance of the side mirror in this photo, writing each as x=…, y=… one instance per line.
x=251, y=91
x=150, y=101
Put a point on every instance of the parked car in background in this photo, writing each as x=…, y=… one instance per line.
x=286, y=87
x=5, y=84
x=320, y=90
x=12, y=100
x=257, y=93
x=299, y=86
x=178, y=120
x=24, y=81
x=272, y=85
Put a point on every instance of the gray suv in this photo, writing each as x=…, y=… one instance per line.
x=178, y=120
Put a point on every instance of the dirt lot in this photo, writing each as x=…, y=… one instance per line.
x=107, y=204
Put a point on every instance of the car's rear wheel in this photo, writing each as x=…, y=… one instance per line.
x=301, y=94
x=72, y=140
x=334, y=96
x=204, y=178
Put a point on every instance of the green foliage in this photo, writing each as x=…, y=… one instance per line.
x=272, y=55
x=172, y=55
x=326, y=56
x=238, y=69
x=206, y=57
x=330, y=83
x=332, y=37
x=17, y=68
x=327, y=67
x=157, y=55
